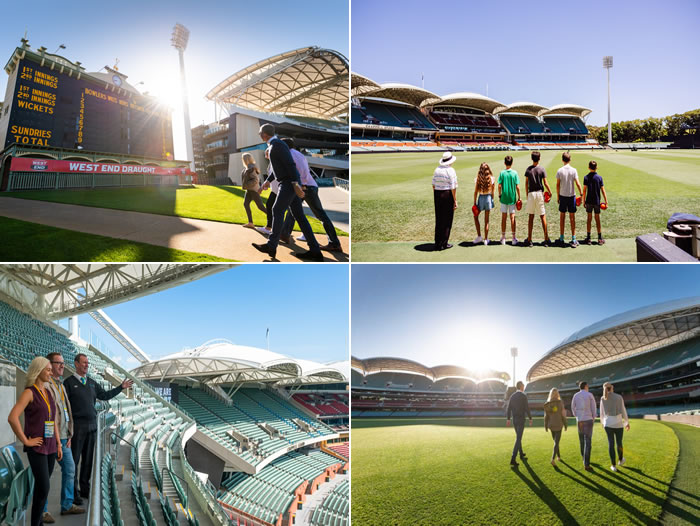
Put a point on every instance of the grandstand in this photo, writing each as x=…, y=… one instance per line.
x=402, y=118
x=385, y=386
x=650, y=354
x=303, y=92
x=156, y=453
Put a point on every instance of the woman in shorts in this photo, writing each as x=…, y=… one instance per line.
x=483, y=200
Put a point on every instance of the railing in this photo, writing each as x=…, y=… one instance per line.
x=60, y=181
x=212, y=131
x=94, y=516
x=343, y=184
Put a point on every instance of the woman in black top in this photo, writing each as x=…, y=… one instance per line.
x=250, y=182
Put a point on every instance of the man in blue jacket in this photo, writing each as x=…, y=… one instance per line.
x=517, y=408
x=288, y=178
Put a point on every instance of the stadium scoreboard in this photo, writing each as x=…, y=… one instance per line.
x=50, y=108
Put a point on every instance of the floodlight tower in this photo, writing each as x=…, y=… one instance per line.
x=179, y=39
x=607, y=64
x=514, y=354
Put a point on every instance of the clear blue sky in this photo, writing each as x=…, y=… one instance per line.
x=307, y=316
x=547, y=52
x=471, y=315
x=225, y=37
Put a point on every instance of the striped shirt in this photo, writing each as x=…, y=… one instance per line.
x=445, y=178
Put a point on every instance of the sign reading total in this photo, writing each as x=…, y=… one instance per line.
x=27, y=164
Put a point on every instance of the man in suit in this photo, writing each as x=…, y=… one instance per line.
x=82, y=393
x=288, y=177
x=518, y=407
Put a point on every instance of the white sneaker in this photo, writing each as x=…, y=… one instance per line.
x=515, y=241
x=621, y=462
x=301, y=238
x=264, y=230
x=503, y=241
x=478, y=240
x=486, y=241
x=613, y=468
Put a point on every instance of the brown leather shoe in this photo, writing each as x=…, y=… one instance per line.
x=73, y=510
x=47, y=518
x=332, y=248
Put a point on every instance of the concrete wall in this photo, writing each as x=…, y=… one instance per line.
x=235, y=165
x=693, y=420
x=8, y=397
x=204, y=461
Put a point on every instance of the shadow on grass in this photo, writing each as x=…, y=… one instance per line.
x=546, y=495
x=595, y=487
x=425, y=247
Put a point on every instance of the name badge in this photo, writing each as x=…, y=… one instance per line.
x=65, y=415
x=48, y=429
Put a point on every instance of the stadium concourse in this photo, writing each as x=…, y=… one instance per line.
x=651, y=355
x=403, y=118
x=220, y=434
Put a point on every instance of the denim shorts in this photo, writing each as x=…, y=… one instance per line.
x=485, y=202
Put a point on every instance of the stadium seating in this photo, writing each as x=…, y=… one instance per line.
x=342, y=449
x=335, y=508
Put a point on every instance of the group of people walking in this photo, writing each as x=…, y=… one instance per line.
x=613, y=418
x=508, y=185
x=290, y=181
x=60, y=424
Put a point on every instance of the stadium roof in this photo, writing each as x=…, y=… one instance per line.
x=359, y=84
x=370, y=366
x=218, y=362
x=567, y=109
x=310, y=81
x=402, y=93
x=523, y=107
x=621, y=336
x=470, y=100
x=53, y=292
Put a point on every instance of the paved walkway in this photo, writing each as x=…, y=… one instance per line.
x=224, y=240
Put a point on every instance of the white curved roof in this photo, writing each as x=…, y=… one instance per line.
x=470, y=100
x=223, y=362
x=405, y=93
x=55, y=291
x=310, y=81
x=621, y=336
x=386, y=364
x=359, y=84
x=567, y=109
x=531, y=108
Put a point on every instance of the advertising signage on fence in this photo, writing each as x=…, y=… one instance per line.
x=27, y=164
x=50, y=108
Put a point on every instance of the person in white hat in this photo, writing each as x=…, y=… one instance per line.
x=445, y=196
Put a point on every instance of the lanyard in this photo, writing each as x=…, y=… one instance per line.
x=46, y=400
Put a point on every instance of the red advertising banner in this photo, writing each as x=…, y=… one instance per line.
x=27, y=164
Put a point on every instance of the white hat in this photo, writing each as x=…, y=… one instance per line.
x=447, y=159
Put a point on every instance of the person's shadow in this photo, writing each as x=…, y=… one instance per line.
x=545, y=494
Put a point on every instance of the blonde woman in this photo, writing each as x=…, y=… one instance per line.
x=554, y=420
x=41, y=441
x=613, y=416
x=483, y=200
x=250, y=182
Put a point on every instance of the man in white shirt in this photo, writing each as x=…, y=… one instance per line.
x=583, y=407
x=445, y=198
x=567, y=176
x=311, y=198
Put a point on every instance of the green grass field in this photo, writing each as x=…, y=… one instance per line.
x=448, y=472
x=393, y=213
x=24, y=241
x=214, y=203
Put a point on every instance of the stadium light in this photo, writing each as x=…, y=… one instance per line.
x=607, y=64
x=514, y=354
x=179, y=40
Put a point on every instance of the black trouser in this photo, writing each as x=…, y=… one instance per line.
x=42, y=467
x=83, y=448
x=444, y=214
x=556, y=435
x=252, y=195
x=286, y=198
x=519, y=426
x=270, y=203
x=614, y=433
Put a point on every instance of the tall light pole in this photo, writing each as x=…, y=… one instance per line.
x=607, y=64
x=514, y=354
x=179, y=39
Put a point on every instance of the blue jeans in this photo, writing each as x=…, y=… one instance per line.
x=67, y=477
x=585, y=436
x=311, y=198
x=286, y=198
x=519, y=426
